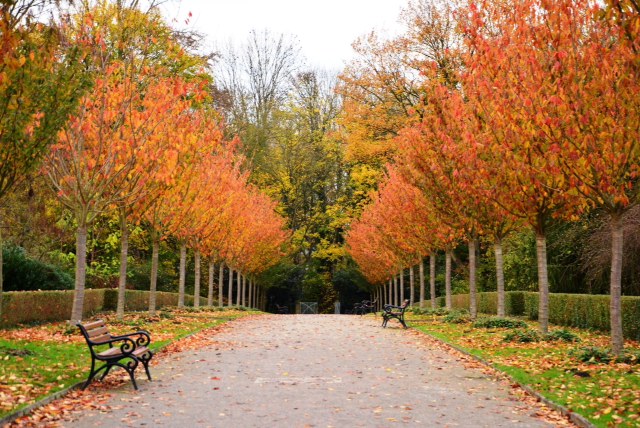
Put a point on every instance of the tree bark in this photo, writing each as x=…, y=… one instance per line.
x=390, y=302
x=497, y=249
x=447, y=280
x=412, y=289
x=543, y=282
x=432, y=279
x=220, y=284
x=124, y=252
x=238, y=288
x=251, y=301
x=1, y=271
x=196, y=285
x=155, y=250
x=243, y=294
x=421, y=280
x=401, y=275
x=81, y=273
x=212, y=268
x=473, y=292
x=617, y=242
x=385, y=293
x=182, y=274
x=395, y=290
x=230, y=297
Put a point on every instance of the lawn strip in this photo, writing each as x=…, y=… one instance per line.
x=605, y=395
x=56, y=360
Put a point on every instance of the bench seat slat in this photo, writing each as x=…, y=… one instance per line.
x=101, y=331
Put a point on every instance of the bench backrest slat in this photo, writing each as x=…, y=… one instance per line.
x=93, y=325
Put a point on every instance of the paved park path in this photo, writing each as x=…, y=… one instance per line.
x=314, y=371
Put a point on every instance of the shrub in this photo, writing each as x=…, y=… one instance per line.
x=563, y=335
x=629, y=357
x=22, y=273
x=522, y=336
x=593, y=355
x=495, y=322
x=514, y=303
x=457, y=316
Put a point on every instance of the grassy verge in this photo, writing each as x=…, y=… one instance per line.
x=41, y=360
x=606, y=393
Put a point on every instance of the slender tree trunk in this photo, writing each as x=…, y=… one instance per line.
x=497, y=249
x=124, y=252
x=617, y=242
x=543, y=282
x=155, y=250
x=421, y=280
x=390, y=302
x=1, y=271
x=220, y=284
x=81, y=272
x=385, y=293
x=447, y=280
x=473, y=292
x=412, y=286
x=212, y=268
x=401, y=275
x=395, y=290
x=244, y=290
x=183, y=274
x=230, y=297
x=196, y=285
x=432, y=279
x=238, y=288
x=251, y=302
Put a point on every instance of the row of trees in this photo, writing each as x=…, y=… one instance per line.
x=519, y=114
x=137, y=136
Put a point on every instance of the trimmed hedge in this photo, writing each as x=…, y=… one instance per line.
x=42, y=306
x=572, y=310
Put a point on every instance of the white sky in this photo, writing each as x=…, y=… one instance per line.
x=325, y=29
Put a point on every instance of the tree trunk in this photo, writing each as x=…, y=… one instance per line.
x=238, y=288
x=385, y=293
x=432, y=279
x=220, y=284
x=124, y=251
x=1, y=272
x=155, y=250
x=401, y=275
x=212, y=268
x=543, y=282
x=473, y=292
x=81, y=273
x=421, y=279
x=447, y=280
x=196, y=285
x=390, y=302
x=244, y=290
x=497, y=249
x=251, y=303
x=230, y=297
x=183, y=274
x=412, y=289
x=395, y=290
x=617, y=241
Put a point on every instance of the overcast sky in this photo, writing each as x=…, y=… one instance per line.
x=325, y=29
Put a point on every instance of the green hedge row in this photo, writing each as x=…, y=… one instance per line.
x=41, y=306
x=572, y=310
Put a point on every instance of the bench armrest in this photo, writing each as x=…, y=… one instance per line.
x=127, y=345
x=140, y=338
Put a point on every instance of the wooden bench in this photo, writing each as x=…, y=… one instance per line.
x=397, y=312
x=125, y=351
x=364, y=307
x=282, y=309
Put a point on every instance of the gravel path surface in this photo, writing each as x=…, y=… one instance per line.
x=314, y=371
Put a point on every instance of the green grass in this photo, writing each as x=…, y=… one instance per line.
x=605, y=394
